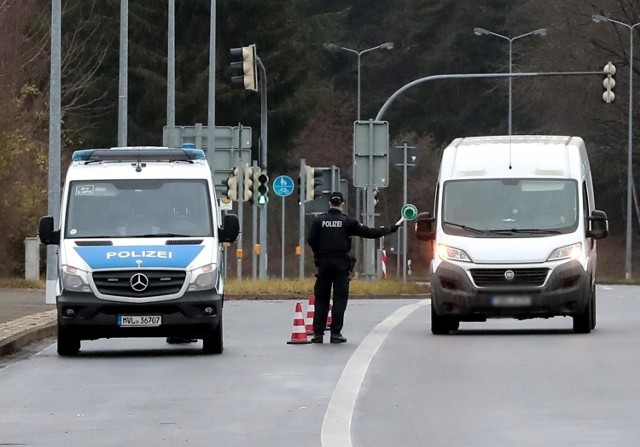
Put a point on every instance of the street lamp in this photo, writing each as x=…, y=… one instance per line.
x=538, y=32
x=599, y=19
x=368, y=244
x=383, y=46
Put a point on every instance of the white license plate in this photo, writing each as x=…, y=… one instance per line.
x=139, y=320
x=511, y=301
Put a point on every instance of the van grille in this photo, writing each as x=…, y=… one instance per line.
x=521, y=277
x=126, y=283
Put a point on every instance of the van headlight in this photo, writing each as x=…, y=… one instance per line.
x=452, y=254
x=74, y=279
x=572, y=251
x=203, y=278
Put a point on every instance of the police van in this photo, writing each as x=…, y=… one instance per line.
x=513, y=232
x=141, y=243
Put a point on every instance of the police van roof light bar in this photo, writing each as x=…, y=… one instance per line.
x=138, y=154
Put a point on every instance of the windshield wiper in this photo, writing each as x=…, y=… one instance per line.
x=534, y=231
x=161, y=235
x=464, y=227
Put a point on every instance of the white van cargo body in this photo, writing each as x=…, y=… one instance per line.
x=140, y=247
x=514, y=232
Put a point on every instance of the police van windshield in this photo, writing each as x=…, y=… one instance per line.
x=510, y=207
x=138, y=208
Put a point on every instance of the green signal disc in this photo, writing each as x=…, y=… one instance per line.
x=409, y=211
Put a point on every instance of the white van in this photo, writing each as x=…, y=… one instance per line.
x=514, y=232
x=140, y=247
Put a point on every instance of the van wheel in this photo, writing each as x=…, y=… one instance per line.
x=442, y=325
x=212, y=342
x=585, y=321
x=68, y=345
x=593, y=306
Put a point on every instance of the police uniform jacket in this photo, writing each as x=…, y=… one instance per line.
x=330, y=234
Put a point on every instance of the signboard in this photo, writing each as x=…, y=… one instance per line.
x=397, y=157
x=283, y=185
x=226, y=137
x=370, y=154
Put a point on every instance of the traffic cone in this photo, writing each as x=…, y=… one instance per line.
x=311, y=310
x=329, y=319
x=298, y=334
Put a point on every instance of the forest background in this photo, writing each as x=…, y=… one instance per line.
x=312, y=91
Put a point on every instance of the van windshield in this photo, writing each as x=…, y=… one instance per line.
x=138, y=208
x=510, y=207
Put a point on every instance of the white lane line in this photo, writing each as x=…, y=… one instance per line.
x=336, y=427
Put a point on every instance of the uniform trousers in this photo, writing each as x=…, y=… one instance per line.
x=333, y=273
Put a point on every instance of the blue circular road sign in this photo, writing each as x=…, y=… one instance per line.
x=283, y=185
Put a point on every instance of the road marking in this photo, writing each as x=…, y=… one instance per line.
x=336, y=427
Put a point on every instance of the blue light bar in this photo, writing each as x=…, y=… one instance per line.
x=138, y=154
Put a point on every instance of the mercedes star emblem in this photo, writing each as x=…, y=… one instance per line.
x=139, y=282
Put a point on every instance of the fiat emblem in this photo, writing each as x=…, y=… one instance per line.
x=139, y=282
x=509, y=275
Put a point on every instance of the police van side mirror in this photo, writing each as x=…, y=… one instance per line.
x=47, y=235
x=425, y=227
x=230, y=228
x=598, y=225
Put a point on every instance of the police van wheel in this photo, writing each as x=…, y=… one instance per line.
x=68, y=345
x=212, y=342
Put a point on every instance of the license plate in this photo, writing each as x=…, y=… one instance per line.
x=139, y=320
x=511, y=301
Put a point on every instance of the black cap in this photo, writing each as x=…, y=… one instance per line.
x=337, y=198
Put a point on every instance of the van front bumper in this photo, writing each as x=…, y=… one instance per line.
x=194, y=315
x=566, y=292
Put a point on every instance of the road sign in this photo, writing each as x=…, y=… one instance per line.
x=226, y=137
x=371, y=153
x=283, y=185
x=396, y=157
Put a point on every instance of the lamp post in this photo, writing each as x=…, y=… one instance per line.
x=369, y=246
x=538, y=32
x=599, y=19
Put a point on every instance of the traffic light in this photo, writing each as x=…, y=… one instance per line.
x=232, y=185
x=609, y=83
x=314, y=183
x=375, y=197
x=263, y=189
x=243, y=64
x=247, y=184
x=257, y=172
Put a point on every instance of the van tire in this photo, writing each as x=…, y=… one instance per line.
x=212, y=343
x=585, y=321
x=68, y=345
x=442, y=325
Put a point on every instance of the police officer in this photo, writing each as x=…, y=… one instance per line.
x=330, y=240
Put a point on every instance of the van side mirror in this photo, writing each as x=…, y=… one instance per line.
x=230, y=228
x=47, y=235
x=598, y=225
x=425, y=226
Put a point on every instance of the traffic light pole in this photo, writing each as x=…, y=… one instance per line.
x=303, y=199
x=262, y=79
x=240, y=221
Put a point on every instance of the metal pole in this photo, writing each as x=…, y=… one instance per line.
x=263, y=154
x=303, y=198
x=171, y=75
x=359, y=54
x=240, y=217
x=630, y=160
x=53, y=198
x=282, y=243
x=254, y=230
x=211, y=129
x=405, y=169
x=510, y=83
x=124, y=69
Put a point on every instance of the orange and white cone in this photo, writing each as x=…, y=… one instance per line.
x=298, y=334
x=311, y=311
x=329, y=319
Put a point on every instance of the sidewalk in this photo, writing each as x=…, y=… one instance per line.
x=24, y=318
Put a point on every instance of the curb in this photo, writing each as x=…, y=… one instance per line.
x=18, y=333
